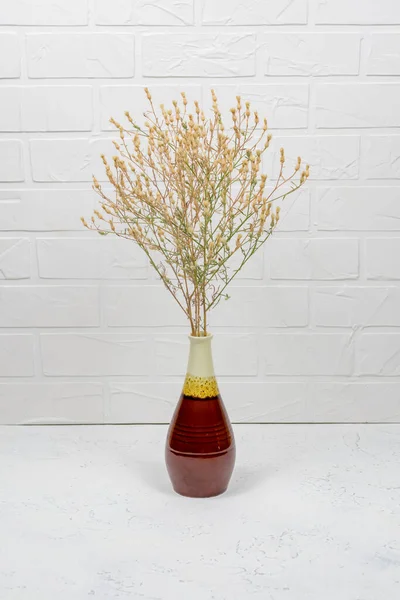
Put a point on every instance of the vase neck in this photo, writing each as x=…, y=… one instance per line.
x=200, y=363
x=200, y=382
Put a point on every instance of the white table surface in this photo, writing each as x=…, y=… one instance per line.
x=312, y=513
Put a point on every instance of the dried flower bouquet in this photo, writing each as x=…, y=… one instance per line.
x=190, y=192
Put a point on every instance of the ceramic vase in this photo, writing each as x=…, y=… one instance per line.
x=200, y=448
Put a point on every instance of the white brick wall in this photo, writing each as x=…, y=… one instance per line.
x=83, y=55
x=311, y=332
x=383, y=55
x=48, y=108
x=357, y=105
x=11, y=161
x=305, y=54
x=142, y=12
x=96, y=258
x=313, y=259
x=365, y=12
x=44, y=12
x=16, y=355
x=49, y=306
x=308, y=354
x=331, y=156
x=100, y=354
x=259, y=12
x=203, y=54
x=382, y=156
x=15, y=258
x=10, y=56
x=383, y=258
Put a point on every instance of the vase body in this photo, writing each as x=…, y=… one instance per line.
x=200, y=449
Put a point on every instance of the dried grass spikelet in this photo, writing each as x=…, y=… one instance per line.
x=190, y=191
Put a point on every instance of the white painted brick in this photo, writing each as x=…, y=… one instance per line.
x=47, y=108
x=116, y=99
x=248, y=306
x=288, y=402
x=308, y=354
x=94, y=258
x=80, y=55
x=198, y=55
x=382, y=157
x=285, y=105
x=295, y=211
x=317, y=258
x=142, y=402
x=357, y=306
x=44, y=12
x=57, y=108
x=359, y=209
x=51, y=403
x=11, y=161
x=10, y=117
x=253, y=12
x=69, y=160
x=234, y=354
x=378, y=354
x=382, y=258
x=383, y=54
x=357, y=105
x=329, y=156
x=311, y=402
x=15, y=258
x=97, y=354
x=10, y=56
x=317, y=54
x=143, y=12
x=16, y=355
x=141, y=306
x=260, y=306
x=49, y=306
x=45, y=210
x=367, y=12
x=253, y=269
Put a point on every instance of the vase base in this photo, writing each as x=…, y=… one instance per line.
x=201, y=476
x=199, y=495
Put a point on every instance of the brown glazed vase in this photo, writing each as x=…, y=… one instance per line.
x=200, y=449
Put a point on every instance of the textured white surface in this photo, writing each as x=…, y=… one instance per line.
x=317, y=54
x=89, y=55
x=311, y=332
x=88, y=512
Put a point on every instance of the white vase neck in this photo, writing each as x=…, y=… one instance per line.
x=200, y=363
